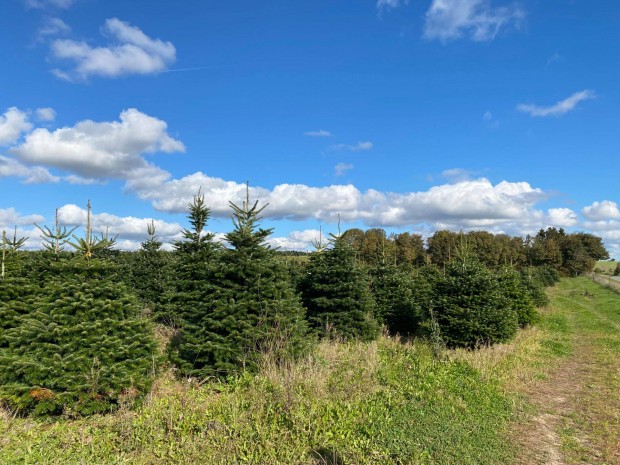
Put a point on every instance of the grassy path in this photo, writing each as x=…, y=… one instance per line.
x=577, y=418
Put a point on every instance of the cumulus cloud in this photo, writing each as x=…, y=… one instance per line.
x=341, y=168
x=13, y=123
x=475, y=201
x=301, y=241
x=10, y=167
x=560, y=108
x=94, y=150
x=604, y=210
x=319, y=133
x=9, y=217
x=131, y=51
x=359, y=147
x=562, y=217
x=129, y=228
x=477, y=19
x=45, y=114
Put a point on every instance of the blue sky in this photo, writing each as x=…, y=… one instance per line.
x=407, y=115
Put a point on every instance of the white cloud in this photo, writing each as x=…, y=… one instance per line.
x=9, y=218
x=45, y=114
x=559, y=108
x=342, y=168
x=487, y=116
x=319, y=133
x=102, y=150
x=471, y=203
x=49, y=3
x=359, y=147
x=128, y=228
x=31, y=174
x=297, y=240
x=390, y=4
x=562, y=217
x=53, y=27
x=604, y=210
x=452, y=19
x=12, y=124
x=131, y=52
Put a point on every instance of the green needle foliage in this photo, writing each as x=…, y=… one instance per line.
x=335, y=294
x=471, y=307
x=393, y=289
x=92, y=245
x=191, y=296
x=519, y=295
x=77, y=346
x=254, y=308
x=54, y=240
x=149, y=272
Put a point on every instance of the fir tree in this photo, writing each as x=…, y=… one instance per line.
x=393, y=290
x=78, y=345
x=192, y=291
x=335, y=294
x=92, y=245
x=255, y=309
x=149, y=272
x=471, y=308
x=54, y=240
x=520, y=299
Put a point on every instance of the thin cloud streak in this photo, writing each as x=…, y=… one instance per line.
x=560, y=108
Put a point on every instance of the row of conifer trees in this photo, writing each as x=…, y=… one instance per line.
x=75, y=338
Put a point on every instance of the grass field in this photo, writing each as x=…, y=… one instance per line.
x=378, y=403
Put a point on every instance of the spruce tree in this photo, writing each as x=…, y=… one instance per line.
x=335, y=294
x=79, y=345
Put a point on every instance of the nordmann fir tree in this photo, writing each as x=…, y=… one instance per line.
x=255, y=309
x=335, y=294
x=190, y=299
x=149, y=272
x=55, y=240
x=77, y=343
x=471, y=306
x=92, y=245
x=82, y=347
x=393, y=291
